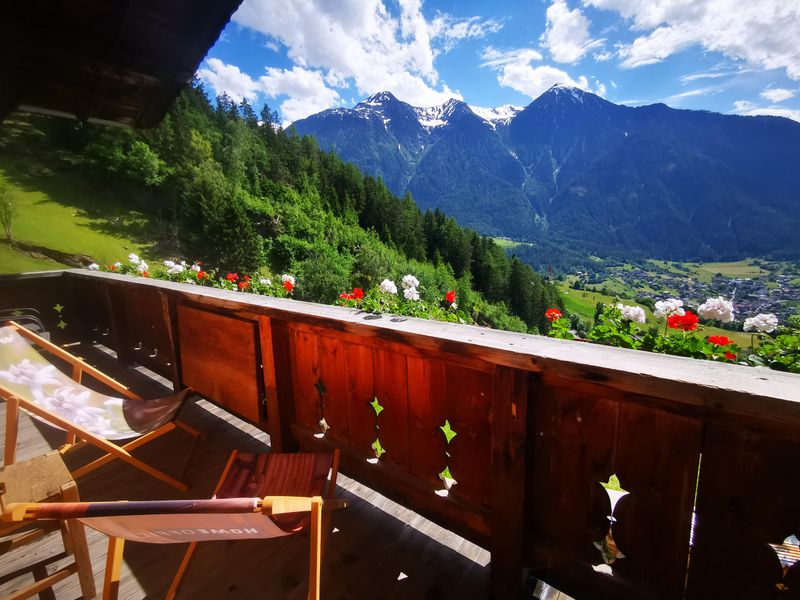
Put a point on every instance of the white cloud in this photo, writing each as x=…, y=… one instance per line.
x=363, y=42
x=603, y=56
x=750, y=109
x=714, y=74
x=777, y=94
x=516, y=72
x=763, y=33
x=677, y=98
x=452, y=30
x=567, y=33
x=229, y=79
x=495, y=58
x=306, y=90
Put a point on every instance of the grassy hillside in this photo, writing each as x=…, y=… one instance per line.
x=61, y=214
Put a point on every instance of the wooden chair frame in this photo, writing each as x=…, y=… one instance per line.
x=77, y=436
x=318, y=532
x=318, y=508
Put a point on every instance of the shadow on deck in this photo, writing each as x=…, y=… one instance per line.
x=378, y=549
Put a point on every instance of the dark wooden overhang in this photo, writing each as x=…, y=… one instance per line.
x=116, y=61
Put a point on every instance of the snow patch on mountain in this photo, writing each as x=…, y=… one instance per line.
x=432, y=117
x=501, y=115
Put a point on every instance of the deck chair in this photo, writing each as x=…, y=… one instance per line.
x=28, y=381
x=224, y=517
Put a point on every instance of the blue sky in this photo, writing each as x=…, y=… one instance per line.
x=302, y=56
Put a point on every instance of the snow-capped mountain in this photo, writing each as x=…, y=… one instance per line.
x=649, y=178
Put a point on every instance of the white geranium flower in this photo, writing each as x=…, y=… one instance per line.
x=196, y=268
x=668, y=307
x=30, y=374
x=175, y=269
x=141, y=266
x=411, y=293
x=388, y=287
x=289, y=278
x=117, y=264
x=717, y=308
x=265, y=281
x=454, y=306
x=93, y=267
x=133, y=259
x=632, y=313
x=169, y=264
x=762, y=322
x=409, y=281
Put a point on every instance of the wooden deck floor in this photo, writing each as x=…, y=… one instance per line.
x=378, y=549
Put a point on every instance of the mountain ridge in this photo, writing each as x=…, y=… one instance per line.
x=575, y=167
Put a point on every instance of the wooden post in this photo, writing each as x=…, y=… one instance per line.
x=12, y=425
x=280, y=407
x=315, y=559
x=509, y=428
x=116, y=546
x=78, y=546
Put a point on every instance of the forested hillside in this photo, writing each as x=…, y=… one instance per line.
x=224, y=185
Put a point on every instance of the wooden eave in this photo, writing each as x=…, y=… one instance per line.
x=115, y=61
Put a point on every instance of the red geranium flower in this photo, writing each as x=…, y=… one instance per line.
x=288, y=285
x=450, y=296
x=243, y=285
x=201, y=275
x=112, y=267
x=358, y=293
x=552, y=314
x=720, y=340
x=345, y=296
x=247, y=277
x=730, y=356
x=145, y=274
x=686, y=322
x=231, y=277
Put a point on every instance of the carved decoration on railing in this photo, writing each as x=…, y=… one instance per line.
x=62, y=324
x=788, y=553
x=376, y=445
x=323, y=424
x=445, y=475
x=607, y=546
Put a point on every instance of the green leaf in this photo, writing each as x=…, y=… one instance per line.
x=321, y=387
x=18, y=313
x=446, y=474
x=449, y=433
x=376, y=406
x=376, y=446
x=58, y=308
x=613, y=484
x=61, y=325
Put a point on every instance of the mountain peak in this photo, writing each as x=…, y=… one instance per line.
x=379, y=99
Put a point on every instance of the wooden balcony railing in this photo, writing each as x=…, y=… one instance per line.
x=538, y=423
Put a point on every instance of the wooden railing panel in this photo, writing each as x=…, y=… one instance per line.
x=390, y=372
x=540, y=423
x=748, y=498
x=219, y=360
x=582, y=436
x=305, y=375
x=360, y=389
x=142, y=328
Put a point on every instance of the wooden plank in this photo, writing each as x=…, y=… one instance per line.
x=268, y=372
x=747, y=499
x=281, y=414
x=508, y=480
x=333, y=373
x=305, y=375
x=360, y=392
x=427, y=411
x=218, y=359
x=469, y=409
x=657, y=456
x=392, y=388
